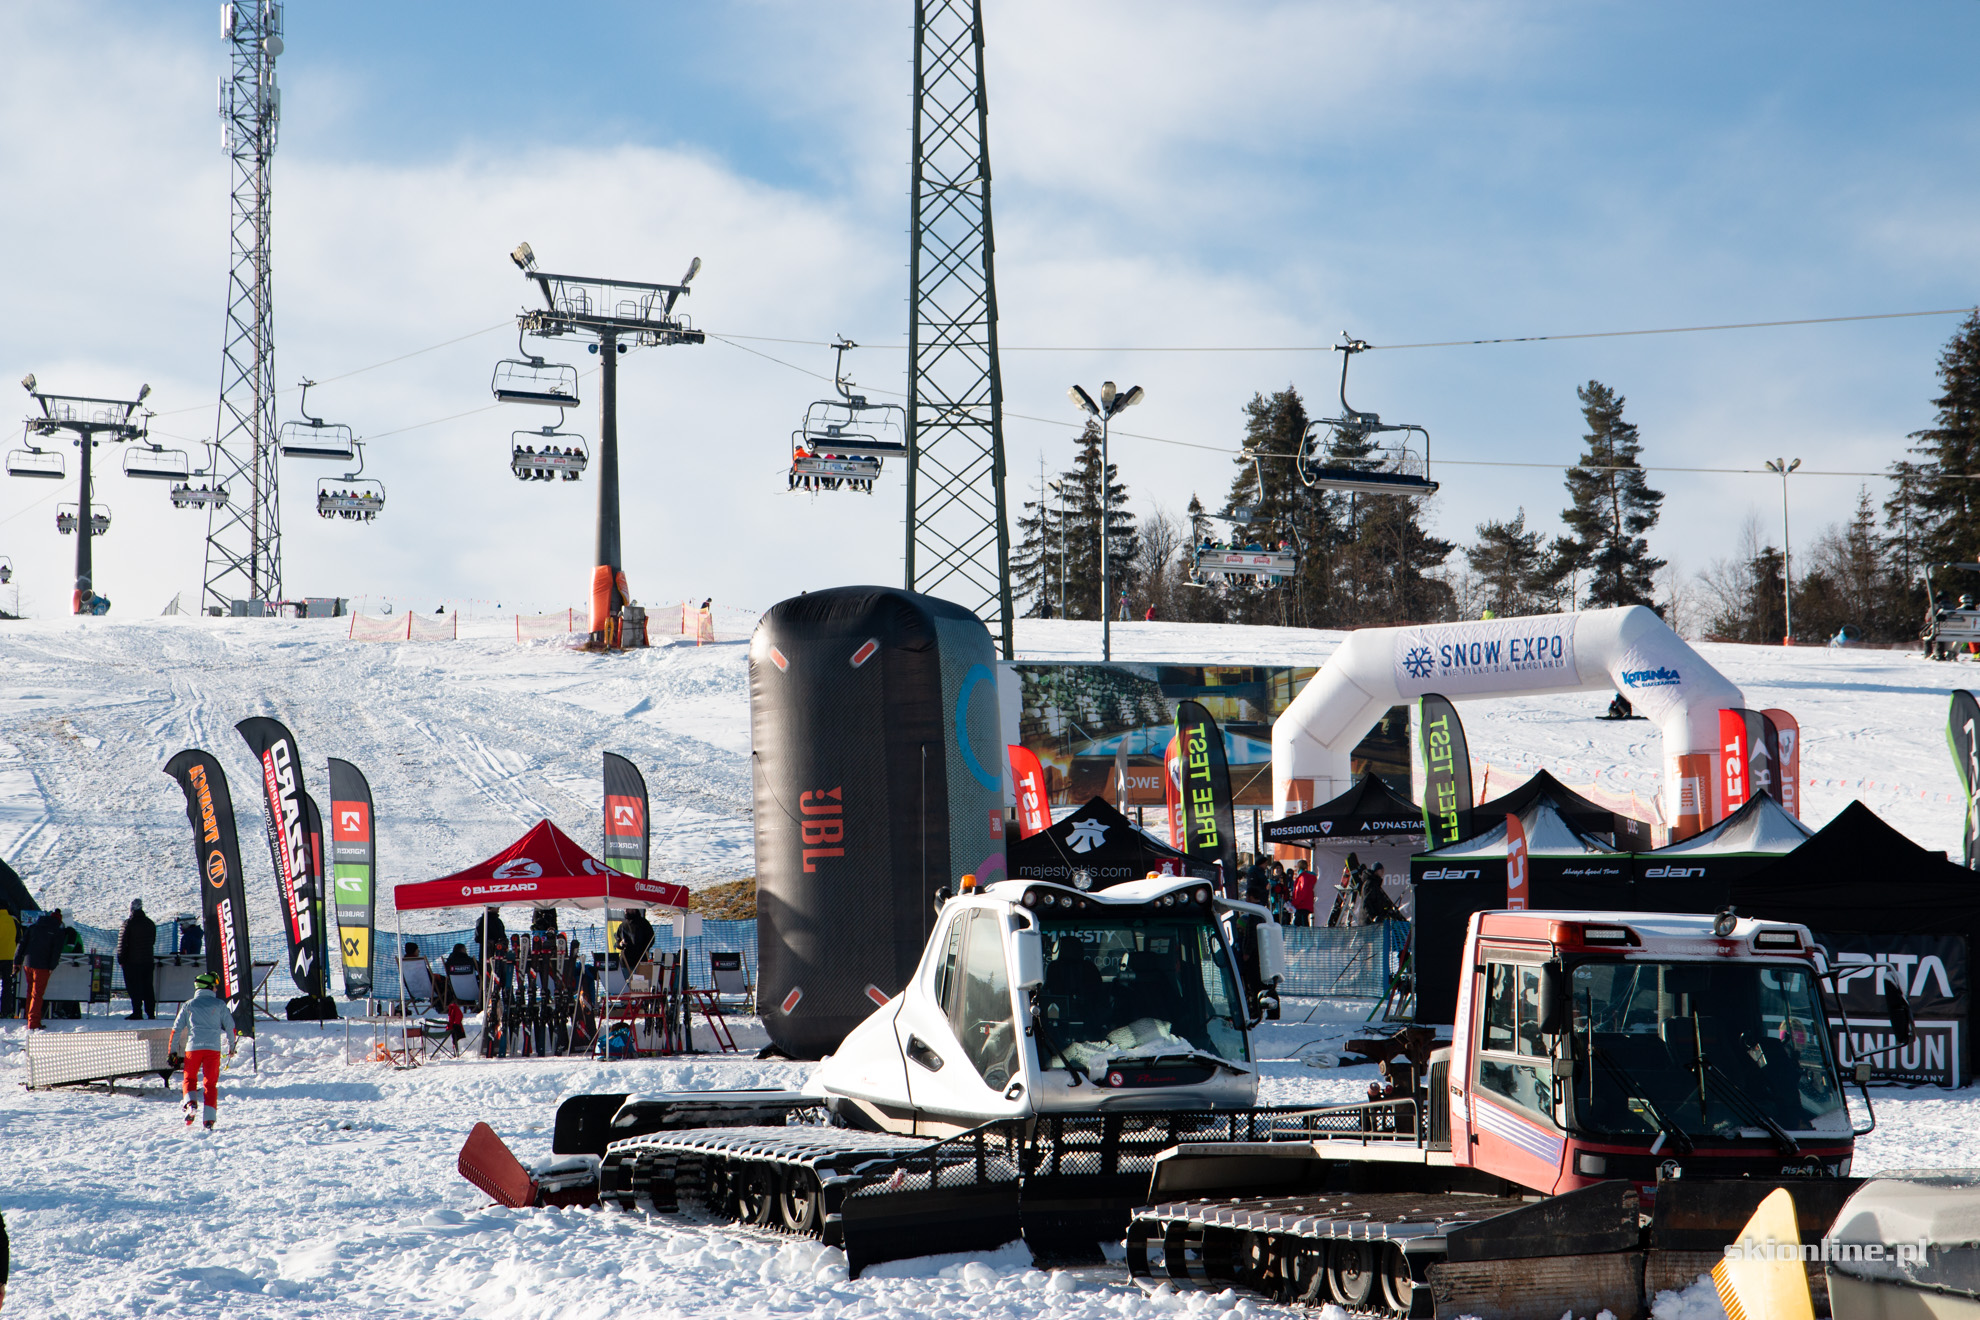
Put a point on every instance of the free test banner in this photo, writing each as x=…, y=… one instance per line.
x=1211, y=831
x=1028, y=782
x=222, y=887
x=627, y=836
x=353, y=873
x=282, y=800
x=1446, y=772
x=1963, y=736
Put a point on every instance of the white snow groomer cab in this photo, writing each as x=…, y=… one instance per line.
x=1035, y=999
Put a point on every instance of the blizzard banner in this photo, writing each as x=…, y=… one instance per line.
x=223, y=893
x=1516, y=864
x=1446, y=772
x=1172, y=778
x=1489, y=655
x=1206, y=790
x=288, y=843
x=627, y=834
x=1963, y=736
x=1785, y=739
x=1028, y=783
x=1930, y=970
x=353, y=873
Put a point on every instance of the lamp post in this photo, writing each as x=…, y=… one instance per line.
x=1784, y=466
x=1111, y=401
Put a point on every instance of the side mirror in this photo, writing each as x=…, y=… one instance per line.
x=1900, y=1010
x=1271, y=952
x=1550, y=998
x=1028, y=955
x=1862, y=1073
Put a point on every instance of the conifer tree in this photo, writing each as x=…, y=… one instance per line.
x=1613, y=506
x=1035, y=556
x=1082, y=486
x=1511, y=565
x=1948, y=497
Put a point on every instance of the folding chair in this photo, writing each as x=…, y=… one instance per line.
x=727, y=974
x=417, y=977
x=731, y=981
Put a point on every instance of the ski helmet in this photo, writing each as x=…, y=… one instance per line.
x=207, y=980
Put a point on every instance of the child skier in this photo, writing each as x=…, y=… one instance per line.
x=203, y=1022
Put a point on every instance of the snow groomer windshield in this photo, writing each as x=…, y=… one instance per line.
x=1137, y=986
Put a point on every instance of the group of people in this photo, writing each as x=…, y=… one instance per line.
x=531, y=465
x=817, y=481
x=1253, y=547
x=183, y=494
x=29, y=955
x=356, y=505
x=1291, y=895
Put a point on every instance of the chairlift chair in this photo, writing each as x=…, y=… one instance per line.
x=1251, y=559
x=1952, y=627
x=845, y=441
x=528, y=378
x=31, y=461
x=540, y=455
x=210, y=492
x=351, y=496
x=6, y=570
x=312, y=437
x=157, y=463
x=1360, y=453
x=99, y=519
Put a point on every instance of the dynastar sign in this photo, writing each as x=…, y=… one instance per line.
x=209, y=828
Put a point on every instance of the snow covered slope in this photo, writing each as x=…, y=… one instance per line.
x=467, y=742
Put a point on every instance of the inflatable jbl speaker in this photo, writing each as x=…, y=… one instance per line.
x=873, y=714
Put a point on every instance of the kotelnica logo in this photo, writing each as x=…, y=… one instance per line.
x=1663, y=676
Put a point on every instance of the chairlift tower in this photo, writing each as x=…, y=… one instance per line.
x=958, y=543
x=90, y=422
x=614, y=315
x=244, y=533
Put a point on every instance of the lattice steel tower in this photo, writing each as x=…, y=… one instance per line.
x=958, y=544
x=244, y=535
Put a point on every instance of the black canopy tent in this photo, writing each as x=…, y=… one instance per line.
x=14, y=895
x=1750, y=840
x=1100, y=840
x=1578, y=811
x=1370, y=813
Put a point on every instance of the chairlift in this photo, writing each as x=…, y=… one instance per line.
x=845, y=441
x=352, y=497
x=530, y=379
x=210, y=492
x=31, y=461
x=1950, y=626
x=1239, y=556
x=1359, y=452
x=547, y=454
x=65, y=519
x=312, y=437
x=6, y=570
x=157, y=463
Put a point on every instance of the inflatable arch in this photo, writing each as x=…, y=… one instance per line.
x=1630, y=650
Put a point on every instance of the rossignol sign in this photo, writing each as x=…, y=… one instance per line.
x=1487, y=656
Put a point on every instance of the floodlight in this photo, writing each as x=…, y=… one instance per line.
x=1083, y=401
x=524, y=258
x=143, y=392
x=1107, y=393
x=1128, y=400
x=694, y=268
x=27, y=382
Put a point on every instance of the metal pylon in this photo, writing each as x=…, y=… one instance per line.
x=244, y=535
x=958, y=544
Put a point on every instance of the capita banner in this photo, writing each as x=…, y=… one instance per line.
x=628, y=836
x=1488, y=655
x=1930, y=970
x=353, y=873
x=1210, y=830
x=1963, y=736
x=282, y=797
x=1446, y=773
x=222, y=887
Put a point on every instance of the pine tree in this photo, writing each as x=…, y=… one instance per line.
x=1390, y=560
x=1511, y=566
x=1082, y=487
x=1035, y=556
x=1613, y=506
x=1948, y=497
x=1266, y=484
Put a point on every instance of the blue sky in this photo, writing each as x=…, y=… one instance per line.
x=1167, y=174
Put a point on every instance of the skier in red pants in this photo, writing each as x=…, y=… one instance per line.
x=204, y=1021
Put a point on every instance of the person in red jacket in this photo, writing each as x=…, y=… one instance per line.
x=1303, y=886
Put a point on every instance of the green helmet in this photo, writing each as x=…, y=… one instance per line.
x=207, y=980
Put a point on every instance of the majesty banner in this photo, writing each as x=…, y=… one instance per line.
x=1963, y=736
x=223, y=891
x=1446, y=772
x=1211, y=831
x=353, y=873
x=282, y=800
x=627, y=833
x=1028, y=784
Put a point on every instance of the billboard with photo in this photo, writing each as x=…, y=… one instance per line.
x=1076, y=717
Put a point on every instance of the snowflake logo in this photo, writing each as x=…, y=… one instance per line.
x=1086, y=835
x=1418, y=662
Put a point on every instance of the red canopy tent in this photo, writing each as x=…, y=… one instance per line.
x=544, y=868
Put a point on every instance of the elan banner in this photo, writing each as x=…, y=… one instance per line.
x=282, y=797
x=222, y=887
x=353, y=873
x=1489, y=655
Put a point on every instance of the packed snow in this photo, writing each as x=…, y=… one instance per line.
x=329, y=1188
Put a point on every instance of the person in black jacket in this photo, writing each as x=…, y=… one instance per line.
x=136, y=945
x=42, y=950
x=635, y=938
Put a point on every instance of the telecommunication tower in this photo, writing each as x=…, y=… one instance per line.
x=958, y=544
x=244, y=534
